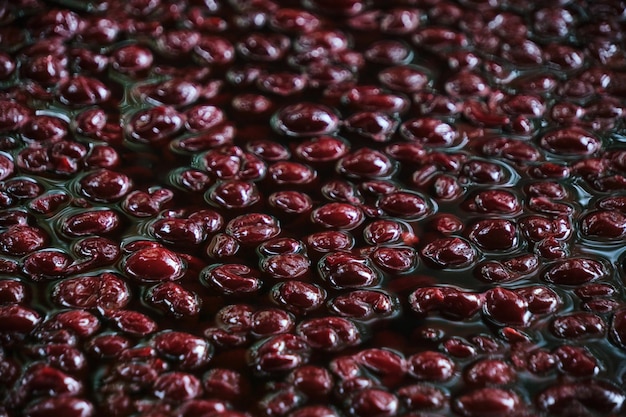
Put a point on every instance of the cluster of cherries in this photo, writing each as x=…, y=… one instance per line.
x=312, y=208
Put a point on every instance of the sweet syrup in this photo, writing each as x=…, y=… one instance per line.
x=282, y=208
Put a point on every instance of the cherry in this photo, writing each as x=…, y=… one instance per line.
x=105, y=185
x=91, y=223
x=174, y=299
x=22, y=239
x=579, y=325
x=232, y=279
x=373, y=98
x=177, y=386
x=493, y=234
x=155, y=125
x=576, y=360
x=595, y=396
x=270, y=322
x=431, y=366
x=263, y=47
x=133, y=322
x=405, y=204
x=253, y=228
x=570, y=141
x=105, y=291
x=436, y=37
x=268, y=150
x=14, y=116
x=493, y=202
x=330, y=241
x=131, y=59
x=322, y=149
x=422, y=397
x=181, y=232
x=285, y=266
x=298, y=297
x=19, y=319
x=603, y=224
x=154, y=264
x=376, y=126
x=305, y=119
x=344, y=271
x=449, y=301
x=46, y=264
x=12, y=292
x=374, y=402
x=366, y=163
x=487, y=400
x=364, y=304
x=395, y=260
x=222, y=246
x=574, y=271
x=107, y=345
x=453, y=252
x=290, y=173
x=329, y=333
x=338, y=215
x=293, y=21
x=291, y=202
x=186, y=350
x=279, y=353
x=388, y=52
x=541, y=299
x=224, y=383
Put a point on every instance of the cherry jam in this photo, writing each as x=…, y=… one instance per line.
x=312, y=208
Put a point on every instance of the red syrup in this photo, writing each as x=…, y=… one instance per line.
x=312, y=208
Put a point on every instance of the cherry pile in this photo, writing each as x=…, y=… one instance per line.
x=312, y=208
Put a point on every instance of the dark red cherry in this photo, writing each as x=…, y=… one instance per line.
x=154, y=265
x=293, y=21
x=279, y=353
x=604, y=225
x=82, y=91
x=155, y=125
x=263, y=47
x=507, y=307
x=298, y=297
x=132, y=59
x=17, y=318
x=13, y=115
x=105, y=291
x=374, y=402
x=450, y=302
x=429, y=131
x=579, y=325
x=46, y=264
x=305, y=119
x=174, y=299
x=574, y=271
x=493, y=234
x=431, y=366
x=599, y=396
x=329, y=333
x=105, y=185
x=322, y=149
x=453, y=252
x=330, y=241
x=570, y=142
x=234, y=279
x=338, y=215
x=133, y=322
x=95, y=222
x=493, y=401
x=22, y=239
